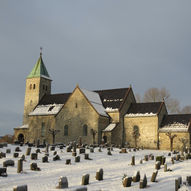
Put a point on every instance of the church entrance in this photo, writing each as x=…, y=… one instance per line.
x=21, y=138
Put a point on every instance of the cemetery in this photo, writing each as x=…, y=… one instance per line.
x=92, y=167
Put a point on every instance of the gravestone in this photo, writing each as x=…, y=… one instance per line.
x=2, y=155
x=99, y=174
x=3, y=172
x=146, y=157
x=20, y=188
x=8, y=163
x=20, y=166
x=28, y=152
x=55, y=158
x=82, y=150
x=154, y=175
x=34, y=156
x=157, y=165
x=55, y=153
x=127, y=181
x=45, y=159
x=17, y=149
x=165, y=167
x=8, y=151
x=133, y=160
x=68, y=161
x=123, y=150
x=34, y=167
x=136, y=177
x=63, y=182
x=77, y=159
x=74, y=154
x=15, y=155
x=85, y=179
x=188, y=179
x=143, y=182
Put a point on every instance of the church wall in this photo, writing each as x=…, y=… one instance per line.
x=114, y=116
x=148, y=130
x=35, y=128
x=119, y=136
x=177, y=144
x=76, y=113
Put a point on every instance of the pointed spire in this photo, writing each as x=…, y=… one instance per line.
x=39, y=69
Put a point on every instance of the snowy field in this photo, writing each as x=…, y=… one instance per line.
x=114, y=168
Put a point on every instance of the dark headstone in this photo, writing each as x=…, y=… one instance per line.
x=85, y=179
x=8, y=163
x=63, y=182
x=99, y=174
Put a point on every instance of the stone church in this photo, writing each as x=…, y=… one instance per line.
x=111, y=116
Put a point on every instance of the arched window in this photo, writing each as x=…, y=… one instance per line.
x=66, y=130
x=34, y=86
x=85, y=130
x=30, y=87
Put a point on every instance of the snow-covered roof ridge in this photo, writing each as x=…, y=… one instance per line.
x=95, y=100
x=140, y=114
x=174, y=127
x=50, y=109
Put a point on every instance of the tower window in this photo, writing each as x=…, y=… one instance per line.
x=66, y=130
x=85, y=130
x=34, y=86
x=30, y=87
x=46, y=88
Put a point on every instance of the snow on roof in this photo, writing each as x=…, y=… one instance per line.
x=175, y=127
x=26, y=126
x=110, y=109
x=110, y=127
x=95, y=100
x=140, y=114
x=50, y=109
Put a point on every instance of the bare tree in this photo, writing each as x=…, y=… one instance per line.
x=171, y=137
x=186, y=110
x=136, y=134
x=53, y=132
x=184, y=143
x=157, y=95
x=138, y=98
x=93, y=132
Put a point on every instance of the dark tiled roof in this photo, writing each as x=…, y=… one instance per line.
x=178, y=118
x=152, y=107
x=54, y=98
x=112, y=98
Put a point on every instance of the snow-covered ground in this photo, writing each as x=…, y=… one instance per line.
x=114, y=167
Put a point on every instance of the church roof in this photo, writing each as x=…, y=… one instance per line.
x=151, y=108
x=112, y=98
x=39, y=70
x=176, y=122
x=54, y=99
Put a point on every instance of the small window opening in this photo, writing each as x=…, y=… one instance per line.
x=51, y=108
x=34, y=86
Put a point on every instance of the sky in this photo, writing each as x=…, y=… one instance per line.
x=98, y=44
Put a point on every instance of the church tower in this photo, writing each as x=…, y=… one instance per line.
x=38, y=83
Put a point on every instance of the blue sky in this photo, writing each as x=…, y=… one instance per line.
x=99, y=44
